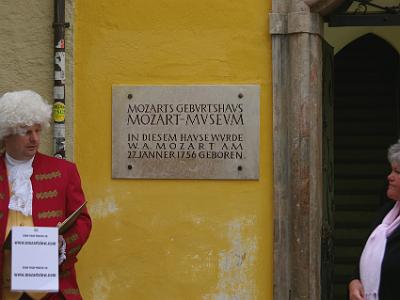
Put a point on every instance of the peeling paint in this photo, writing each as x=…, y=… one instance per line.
x=198, y=264
x=198, y=220
x=236, y=265
x=102, y=285
x=101, y=208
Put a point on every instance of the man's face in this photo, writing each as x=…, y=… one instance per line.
x=24, y=144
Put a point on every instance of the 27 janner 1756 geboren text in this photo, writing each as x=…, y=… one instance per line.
x=185, y=146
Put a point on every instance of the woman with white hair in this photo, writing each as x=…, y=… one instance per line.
x=37, y=190
x=379, y=263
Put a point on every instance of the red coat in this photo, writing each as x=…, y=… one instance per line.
x=57, y=192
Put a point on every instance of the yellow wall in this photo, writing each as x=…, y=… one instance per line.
x=171, y=239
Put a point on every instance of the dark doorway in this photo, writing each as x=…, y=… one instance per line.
x=366, y=123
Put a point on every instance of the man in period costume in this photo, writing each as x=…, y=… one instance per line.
x=37, y=190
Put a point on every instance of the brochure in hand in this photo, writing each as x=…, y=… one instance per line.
x=68, y=222
x=62, y=227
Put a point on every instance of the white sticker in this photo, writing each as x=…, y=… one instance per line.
x=58, y=92
x=59, y=60
x=60, y=44
x=59, y=75
x=59, y=130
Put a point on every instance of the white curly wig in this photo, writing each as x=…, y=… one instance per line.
x=22, y=108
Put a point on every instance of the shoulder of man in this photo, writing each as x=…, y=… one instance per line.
x=42, y=160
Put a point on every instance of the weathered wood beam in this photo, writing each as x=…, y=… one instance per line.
x=297, y=129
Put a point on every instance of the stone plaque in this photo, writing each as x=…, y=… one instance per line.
x=185, y=132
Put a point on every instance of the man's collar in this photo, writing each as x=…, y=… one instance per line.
x=15, y=162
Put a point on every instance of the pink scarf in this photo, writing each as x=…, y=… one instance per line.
x=374, y=250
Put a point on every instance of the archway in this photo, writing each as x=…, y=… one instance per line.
x=366, y=122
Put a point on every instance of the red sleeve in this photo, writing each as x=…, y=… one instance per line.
x=78, y=234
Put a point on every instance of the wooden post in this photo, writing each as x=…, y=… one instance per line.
x=297, y=107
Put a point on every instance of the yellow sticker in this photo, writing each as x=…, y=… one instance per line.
x=59, y=112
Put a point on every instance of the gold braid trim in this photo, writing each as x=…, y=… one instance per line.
x=71, y=238
x=50, y=214
x=74, y=250
x=1, y=178
x=71, y=292
x=2, y=196
x=47, y=195
x=48, y=176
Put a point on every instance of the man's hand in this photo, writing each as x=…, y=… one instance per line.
x=356, y=290
x=60, y=242
x=61, y=249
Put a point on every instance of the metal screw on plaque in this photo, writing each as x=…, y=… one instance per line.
x=129, y=167
x=240, y=96
x=240, y=168
x=129, y=96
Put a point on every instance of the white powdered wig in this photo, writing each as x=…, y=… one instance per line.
x=22, y=108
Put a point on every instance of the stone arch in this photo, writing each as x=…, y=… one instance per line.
x=366, y=123
x=372, y=37
x=347, y=39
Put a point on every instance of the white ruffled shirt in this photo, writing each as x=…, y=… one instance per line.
x=19, y=177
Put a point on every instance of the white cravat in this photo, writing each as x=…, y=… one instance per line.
x=19, y=177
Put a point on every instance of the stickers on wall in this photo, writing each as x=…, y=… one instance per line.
x=59, y=130
x=58, y=93
x=60, y=44
x=59, y=112
x=59, y=60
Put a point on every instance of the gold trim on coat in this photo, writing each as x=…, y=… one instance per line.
x=47, y=195
x=50, y=214
x=48, y=176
